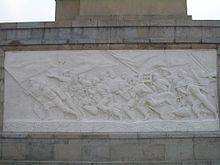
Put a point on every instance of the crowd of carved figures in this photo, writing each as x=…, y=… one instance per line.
x=161, y=94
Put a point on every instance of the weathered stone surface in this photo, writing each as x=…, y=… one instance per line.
x=11, y=34
x=207, y=149
x=219, y=50
x=68, y=9
x=211, y=35
x=127, y=35
x=65, y=33
x=116, y=30
x=217, y=162
x=186, y=35
x=68, y=152
x=14, y=151
x=179, y=150
x=138, y=152
x=162, y=34
x=37, y=34
x=40, y=150
x=124, y=149
x=3, y=35
x=23, y=35
x=51, y=34
x=96, y=151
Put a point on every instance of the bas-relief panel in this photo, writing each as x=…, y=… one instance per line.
x=111, y=91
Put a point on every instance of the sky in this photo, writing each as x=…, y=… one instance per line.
x=44, y=10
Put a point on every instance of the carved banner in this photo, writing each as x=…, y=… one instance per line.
x=111, y=91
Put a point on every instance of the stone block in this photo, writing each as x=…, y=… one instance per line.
x=37, y=34
x=188, y=34
x=23, y=34
x=99, y=35
x=1, y=90
x=67, y=152
x=218, y=63
x=3, y=35
x=215, y=162
x=65, y=33
x=40, y=151
x=207, y=149
x=14, y=151
x=11, y=34
x=2, y=58
x=143, y=33
x=218, y=50
x=76, y=33
x=211, y=35
x=51, y=34
x=96, y=152
x=177, y=150
x=8, y=25
x=161, y=34
x=128, y=34
x=137, y=152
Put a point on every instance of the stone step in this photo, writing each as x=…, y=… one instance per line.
x=13, y=162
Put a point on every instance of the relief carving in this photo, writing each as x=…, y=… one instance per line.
x=113, y=86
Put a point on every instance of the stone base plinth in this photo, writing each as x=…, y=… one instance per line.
x=111, y=148
x=114, y=126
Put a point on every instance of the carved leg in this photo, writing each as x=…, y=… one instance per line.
x=142, y=109
x=129, y=114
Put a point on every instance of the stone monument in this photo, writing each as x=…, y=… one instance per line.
x=111, y=81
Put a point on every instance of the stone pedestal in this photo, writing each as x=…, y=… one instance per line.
x=69, y=9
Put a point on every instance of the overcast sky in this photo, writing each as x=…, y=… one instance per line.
x=44, y=10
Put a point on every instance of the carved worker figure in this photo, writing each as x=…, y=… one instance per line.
x=49, y=98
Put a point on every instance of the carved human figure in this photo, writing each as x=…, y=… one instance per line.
x=65, y=81
x=196, y=92
x=131, y=104
x=159, y=83
x=106, y=103
x=48, y=97
x=142, y=92
x=187, y=87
